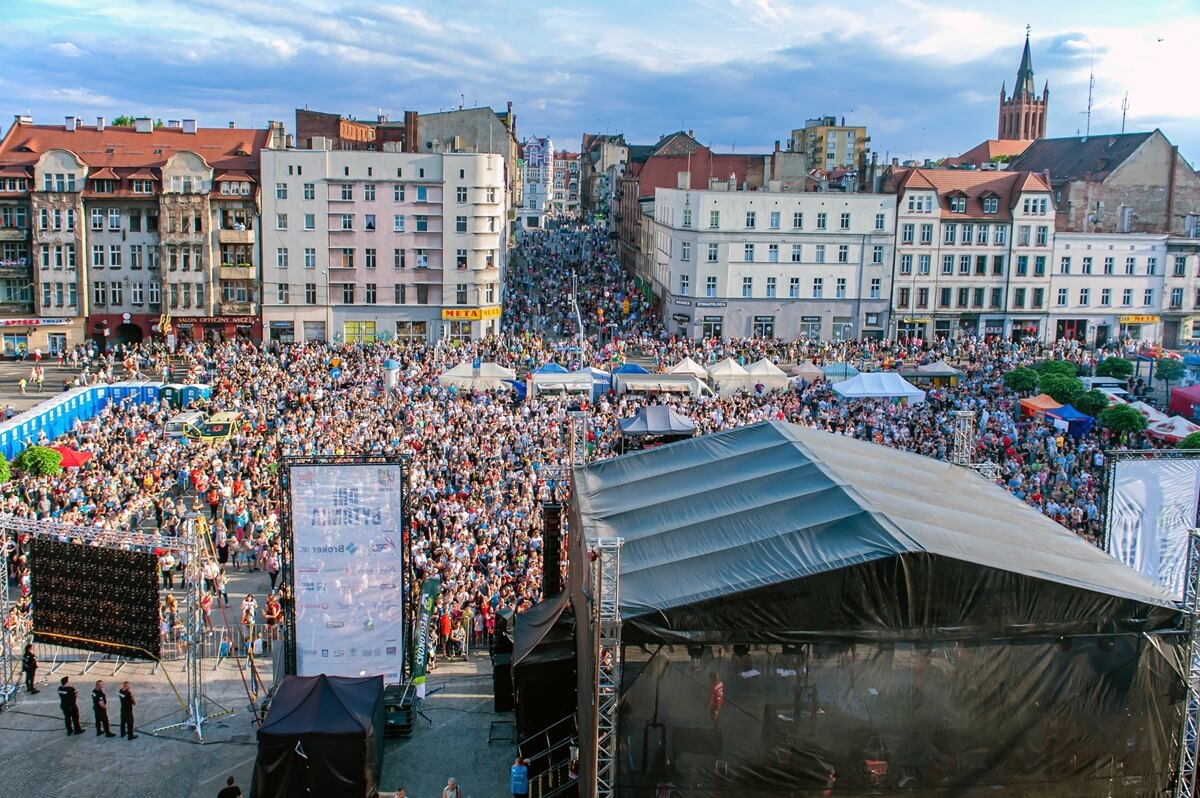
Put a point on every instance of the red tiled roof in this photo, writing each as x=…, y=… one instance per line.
x=104, y=173
x=1007, y=186
x=235, y=175
x=661, y=171
x=124, y=147
x=992, y=148
x=143, y=174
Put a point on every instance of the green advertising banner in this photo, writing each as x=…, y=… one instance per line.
x=429, y=594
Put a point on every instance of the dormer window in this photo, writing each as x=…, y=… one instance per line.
x=958, y=204
x=991, y=204
x=103, y=186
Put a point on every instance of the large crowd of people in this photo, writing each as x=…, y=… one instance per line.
x=477, y=456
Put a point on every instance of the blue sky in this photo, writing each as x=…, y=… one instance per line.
x=923, y=76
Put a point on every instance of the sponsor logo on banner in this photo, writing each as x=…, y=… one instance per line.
x=324, y=652
x=386, y=545
x=308, y=569
x=338, y=652
x=387, y=477
x=387, y=586
x=315, y=587
x=391, y=651
x=334, y=624
x=315, y=606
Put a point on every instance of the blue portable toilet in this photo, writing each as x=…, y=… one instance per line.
x=150, y=392
x=195, y=393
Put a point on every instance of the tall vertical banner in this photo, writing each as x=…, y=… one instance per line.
x=429, y=594
x=347, y=522
x=1153, y=509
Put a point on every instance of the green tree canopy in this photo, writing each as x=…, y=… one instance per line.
x=1123, y=420
x=1021, y=380
x=1168, y=370
x=1092, y=403
x=1117, y=367
x=1066, y=368
x=1061, y=388
x=5, y=469
x=1190, y=442
x=39, y=461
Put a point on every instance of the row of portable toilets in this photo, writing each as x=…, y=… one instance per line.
x=58, y=415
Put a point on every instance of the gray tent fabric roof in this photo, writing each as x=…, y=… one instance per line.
x=770, y=503
x=657, y=420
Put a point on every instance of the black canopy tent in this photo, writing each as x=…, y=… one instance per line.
x=323, y=736
x=657, y=423
x=544, y=671
x=877, y=619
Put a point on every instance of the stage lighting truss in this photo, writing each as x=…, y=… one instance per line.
x=605, y=555
x=1189, y=732
x=963, y=451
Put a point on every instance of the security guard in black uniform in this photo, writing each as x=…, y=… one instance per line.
x=127, y=702
x=100, y=708
x=70, y=709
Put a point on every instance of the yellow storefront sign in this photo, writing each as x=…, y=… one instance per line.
x=1139, y=319
x=470, y=314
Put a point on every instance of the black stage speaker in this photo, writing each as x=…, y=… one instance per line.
x=551, y=549
x=502, y=682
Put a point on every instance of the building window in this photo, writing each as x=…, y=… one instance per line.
x=398, y=192
x=1109, y=266
x=712, y=253
x=923, y=262
x=1039, y=297
x=906, y=233
x=347, y=188
x=460, y=224
x=822, y=221
x=749, y=253
x=714, y=219
x=796, y=253
x=818, y=287
x=964, y=297
x=114, y=219
x=685, y=250
x=798, y=220
x=281, y=258
x=687, y=217
x=347, y=293
x=991, y=205
x=281, y=191
x=281, y=221
x=422, y=191
x=844, y=222
x=950, y=233
x=1019, y=298
x=771, y=283
x=347, y=258
x=310, y=293
x=820, y=253
x=947, y=264
x=773, y=253
x=906, y=264
x=839, y=290
x=97, y=255
x=1064, y=265
x=369, y=222
x=880, y=222
x=1062, y=297
x=997, y=297
x=1085, y=296
x=1148, y=297
x=100, y=292
x=983, y=235
x=843, y=253
x=369, y=294
x=282, y=294
x=944, y=298
x=1176, y=298
x=1087, y=265
x=1039, y=266
x=747, y=286
x=1043, y=235
x=750, y=219
x=310, y=258
x=902, y=298
x=369, y=191
x=922, y=297
x=926, y=234
x=685, y=284
x=1022, y=265
x=1151, y=266
x=964, y=265
x=958, y=204
x=1180, y=266
x=997, y=265
x=460, y=294
x=369, y=258
x=460, y=259
x=710, y=286
x=968, y=234
x=774, y=220
x=310, y=191
x=398, y=258
x=794, y=288
x=398, y=294
x=1105, y=297
x=422, y=224
x=877, y=254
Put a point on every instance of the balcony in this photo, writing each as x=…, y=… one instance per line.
x=14, y=233
x=241, y=271
x=234, y=236
x=10, y=305
x=238, y=308
x=427, y=276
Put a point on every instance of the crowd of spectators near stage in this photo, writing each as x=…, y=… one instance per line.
x=477, y=456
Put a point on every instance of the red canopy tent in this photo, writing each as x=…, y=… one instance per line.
x=1184, y=400
x=72, y=458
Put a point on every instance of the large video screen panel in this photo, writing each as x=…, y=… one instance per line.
x=1153, y=507
x=347, y=526
x=95, y=599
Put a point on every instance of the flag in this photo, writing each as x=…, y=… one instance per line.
x=429, y=594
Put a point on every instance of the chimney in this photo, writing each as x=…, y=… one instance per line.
x=189, y=126
x=173, y=124
x=776, y=145
x=23, y=119
x=100, y=123
x=843, y=121
x=70, y=125
x=143, y=124
x=691, y=134
x=232, y=125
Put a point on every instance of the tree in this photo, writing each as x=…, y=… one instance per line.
x=39, y=461
x=1092, y=403
x=1122, y=420
x=5, y=469
x=123, y=121
x=1063, y=367
x=1061, y=388
x=1021, y=380
x=1168, y=369
x=1190, y=442
x=1116, y=367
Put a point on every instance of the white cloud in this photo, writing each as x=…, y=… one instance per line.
x=66, y=50
x=81, y=96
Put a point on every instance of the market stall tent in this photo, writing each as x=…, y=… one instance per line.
x=657, y=420
x=728, y=376
x=1077, y=424
x=788, y=563
x=322, y=736
x=767, y=374
x=488, y=377
x=1184, y=400
x=879, y=385
x=839, y=371
x=1037, y=405
x=1173, y=429
x=808, y=371
x=689, y=366
x=1152, y=414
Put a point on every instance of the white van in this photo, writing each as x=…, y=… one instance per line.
x=179, y=424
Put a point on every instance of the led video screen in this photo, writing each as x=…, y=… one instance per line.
x=96, y=599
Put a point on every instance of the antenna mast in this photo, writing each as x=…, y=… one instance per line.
x=1124, y=110
x=1091, y=90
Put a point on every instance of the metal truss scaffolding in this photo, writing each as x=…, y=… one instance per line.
x=580, y=426
x=963, y=451
x=606, y=587
x=1189, y=731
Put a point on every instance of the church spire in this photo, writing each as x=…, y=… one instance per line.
x=1024, y=86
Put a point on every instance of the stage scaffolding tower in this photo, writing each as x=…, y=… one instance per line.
x=606, y=594
x=963, y=451
x=1189, y=731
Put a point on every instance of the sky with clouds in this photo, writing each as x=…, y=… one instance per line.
x=923, y=76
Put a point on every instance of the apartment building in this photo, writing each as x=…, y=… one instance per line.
x=972, y=253
x=566, y=182
x=116, y=233
x=774, y=264
x=361, y=246
x=830, y=145
x=538, y=163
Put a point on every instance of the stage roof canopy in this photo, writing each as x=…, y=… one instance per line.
x=755, y=507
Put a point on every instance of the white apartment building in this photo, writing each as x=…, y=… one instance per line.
x=774, y=264
x=360, y=246
x=972, y=254
x=539, y=183
x=1110, y=286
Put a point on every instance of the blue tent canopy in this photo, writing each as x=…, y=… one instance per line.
x=630, y=368
x=840, y=370
x=551, y=368
x=1078, y=424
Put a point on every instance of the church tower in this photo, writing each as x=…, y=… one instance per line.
x=1023, y=115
